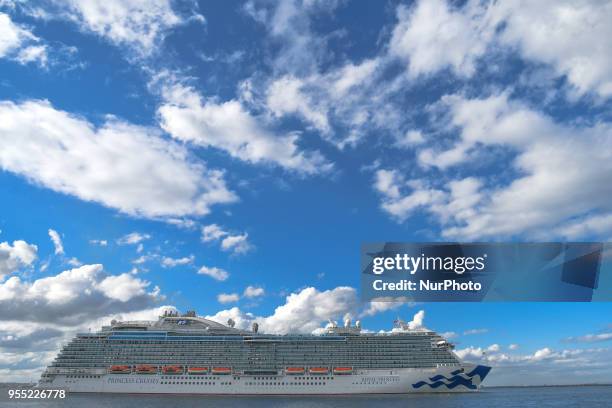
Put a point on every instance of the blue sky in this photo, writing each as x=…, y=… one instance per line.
x=230, y=158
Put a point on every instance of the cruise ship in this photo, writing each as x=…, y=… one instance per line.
x=188, y=354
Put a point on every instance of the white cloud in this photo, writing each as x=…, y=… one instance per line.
x=432, y=36
x=57, y=242
x=184, y=223
x=493, y=348
x=303, y=312
x=475, y=331
x=68, y=154
x=598, y=225
x=168, y=262
x=142, y=259
x=300, y=48
x=73, y=295
x=133, y=238
x=253, y=292
x=590, y=338
x=238, y=244
x=100, y=242
x=572, y=37
x=569, y=36
x=234, y=242
x=33, y=53
x=410, y=139
x=12, y=35
x=140, y=24
x=16, y=256
x=513, y=346
x=550, y=160
x=390, y=183
x=74, y=262
x=214, y=272
x=227, y=126
x=449, y=335
x=343, y=103
x=546, y=359
x=380, y=307
x=284, y=96
x=417, y=320
x=212, y=232
x=228, y=297
x=122, y=287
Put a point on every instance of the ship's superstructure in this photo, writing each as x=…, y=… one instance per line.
x=190, y=354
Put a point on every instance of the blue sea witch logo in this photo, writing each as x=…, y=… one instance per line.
x=458, y=378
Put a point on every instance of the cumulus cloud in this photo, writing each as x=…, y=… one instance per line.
x=253, y=292
x=303, y=312
x=139, y=24
x=133, y=238
x=390, y=183
x=546, y=359
x=571, y=37
x=228, y=297
x=417, y=320
x=214, y=272
x=238, y=244
x=74, y=295
x=68, y=154
x=230, y=242
x=432, y=36
x=535, y=202
x=18, y=43
x=43, y=338
x=13, y=257
x=168, y=262
x=343, y=103
x=227, y=126
x=57, y=242
x=212, y=232
x=375, y=307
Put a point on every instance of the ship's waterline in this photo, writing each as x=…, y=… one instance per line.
x=192, y=355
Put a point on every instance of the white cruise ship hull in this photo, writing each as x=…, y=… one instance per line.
x=466, y=378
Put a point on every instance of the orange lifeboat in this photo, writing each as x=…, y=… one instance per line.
x=221, y=370
x=295, y=370
x=197, y=370
x=172, y=369
x=120, y=369
x=146, y=369
x=343, y=370
x=318, y=370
